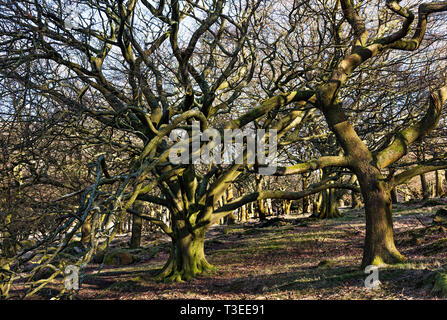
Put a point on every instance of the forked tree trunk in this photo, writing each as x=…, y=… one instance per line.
x=379, y=241
x=269, y=208
x=187, y=256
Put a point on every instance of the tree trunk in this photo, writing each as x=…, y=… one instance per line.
x=269, y=208
x=251, y=212
x=329, y=205
x=439, y=190
x=261, y=207
x=135, y=239
x=187, y=257
x=379, y=241
x=424, y=187
x=8, y=251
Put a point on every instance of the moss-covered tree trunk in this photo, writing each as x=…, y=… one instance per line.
x=328, y=206
x=316, y=203
x=438, y=185
x=261, y=208
x=187, y=256
x=379, y=241
x=230, y=218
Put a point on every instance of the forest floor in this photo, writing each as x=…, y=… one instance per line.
x=293, y=258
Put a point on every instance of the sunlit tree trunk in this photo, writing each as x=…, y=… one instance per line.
x=329, y=205
x=187, y=255
x=438, y=185
x=243, y=213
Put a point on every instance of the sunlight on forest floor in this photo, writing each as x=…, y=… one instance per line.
x=293, y=258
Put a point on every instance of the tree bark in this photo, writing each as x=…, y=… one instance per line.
x=137, y=225
x=306, y=202
x=424, y=187
x=329, y=205
x=394, y=195
x=243, y=212
x=379, y=241
x=187, y=256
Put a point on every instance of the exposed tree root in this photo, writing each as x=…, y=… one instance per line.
x=384, y=257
